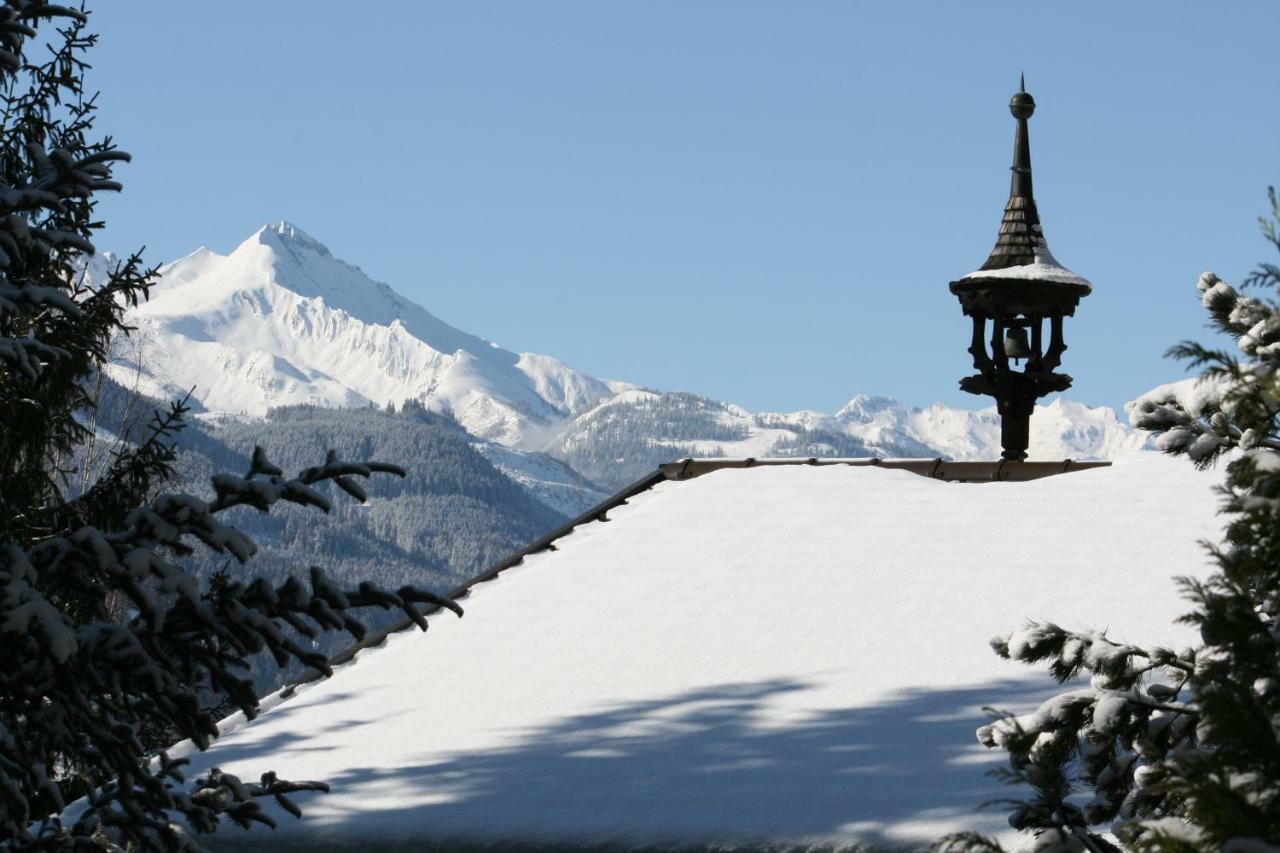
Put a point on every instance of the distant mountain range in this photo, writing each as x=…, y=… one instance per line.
x=280, y=321
x=627, y=435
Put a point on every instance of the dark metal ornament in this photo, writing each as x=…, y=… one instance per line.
x=1021, y=305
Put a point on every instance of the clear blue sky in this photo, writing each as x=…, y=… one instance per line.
x=762, y=202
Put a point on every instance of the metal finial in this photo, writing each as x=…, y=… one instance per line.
x=1022, y=105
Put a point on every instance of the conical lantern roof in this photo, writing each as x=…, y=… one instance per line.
x=1021, y=253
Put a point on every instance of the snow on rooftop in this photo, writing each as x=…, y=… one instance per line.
x=1045, y=268
x=791, y=654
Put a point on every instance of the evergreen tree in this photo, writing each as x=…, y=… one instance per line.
x=109, y=646
x=1176, y=750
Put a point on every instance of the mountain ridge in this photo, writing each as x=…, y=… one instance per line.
x=280, y=320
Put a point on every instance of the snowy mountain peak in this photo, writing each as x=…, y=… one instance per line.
x=286, y=235
x=865, y=407
x=1080, y=411
x=282, y=321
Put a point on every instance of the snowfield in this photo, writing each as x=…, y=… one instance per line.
x=779, y=654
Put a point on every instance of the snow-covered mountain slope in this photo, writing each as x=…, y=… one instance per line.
x=281, y=321
x=1060, y=430
x=548, y=479
x=630, y=433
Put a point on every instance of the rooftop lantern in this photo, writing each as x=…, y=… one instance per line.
x=1017, y=302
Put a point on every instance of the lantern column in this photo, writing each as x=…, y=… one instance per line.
x=1017, y=302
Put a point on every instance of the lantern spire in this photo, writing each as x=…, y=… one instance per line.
x=1017, y=303
x=1020, y=239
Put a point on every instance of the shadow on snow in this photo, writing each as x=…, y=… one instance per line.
x=701, y=768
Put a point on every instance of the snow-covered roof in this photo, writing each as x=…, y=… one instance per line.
x=1045, y=267
x=781, y=653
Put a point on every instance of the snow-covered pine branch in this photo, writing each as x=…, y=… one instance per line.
x=110, y=647
x=153, y=669
x=1236, y=400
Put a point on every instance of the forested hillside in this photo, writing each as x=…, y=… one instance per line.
x=453, y=515
x=630, y=434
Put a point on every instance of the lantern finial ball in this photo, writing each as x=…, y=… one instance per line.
x=1022, y=105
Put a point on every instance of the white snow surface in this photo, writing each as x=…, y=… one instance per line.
x=791, y=654
x=1044, y=268
x=281, y=321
